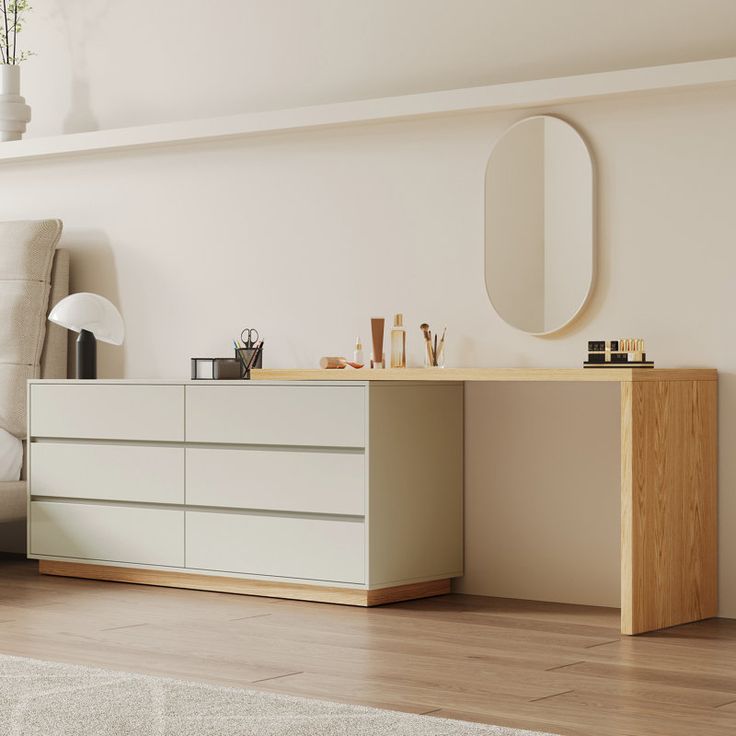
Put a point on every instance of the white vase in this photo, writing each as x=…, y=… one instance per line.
x=14, y=113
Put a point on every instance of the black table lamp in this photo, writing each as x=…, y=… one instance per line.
x=94, y=318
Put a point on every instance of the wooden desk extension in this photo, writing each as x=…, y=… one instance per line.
x=669, y=485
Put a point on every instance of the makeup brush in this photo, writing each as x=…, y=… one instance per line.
x=441, y=347
x=424, y=327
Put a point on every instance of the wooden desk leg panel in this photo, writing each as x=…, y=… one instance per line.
x=669, y=455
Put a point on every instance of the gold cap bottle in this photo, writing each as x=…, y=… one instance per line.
x=398, y=342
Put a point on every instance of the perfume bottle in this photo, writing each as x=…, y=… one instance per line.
x=398, y=343
x=358, y=353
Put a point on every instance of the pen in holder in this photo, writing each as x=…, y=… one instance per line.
x=249, y=358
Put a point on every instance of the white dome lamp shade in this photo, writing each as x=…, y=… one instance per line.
x=94, y=318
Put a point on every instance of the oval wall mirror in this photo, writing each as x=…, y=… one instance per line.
x=539, y=249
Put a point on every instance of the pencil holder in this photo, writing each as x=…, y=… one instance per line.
x=245, y=355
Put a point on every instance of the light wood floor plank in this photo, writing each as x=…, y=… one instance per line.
x=541, y=666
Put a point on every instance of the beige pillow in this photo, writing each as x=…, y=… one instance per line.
x=26, y=257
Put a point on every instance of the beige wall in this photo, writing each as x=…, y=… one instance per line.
x=307, y=235
x=542, y=493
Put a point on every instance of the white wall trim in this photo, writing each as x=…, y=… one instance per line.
x=536, y=93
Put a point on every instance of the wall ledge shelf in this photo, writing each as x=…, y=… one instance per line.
x=515, y=95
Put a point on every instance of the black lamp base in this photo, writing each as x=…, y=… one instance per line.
x=86, y=355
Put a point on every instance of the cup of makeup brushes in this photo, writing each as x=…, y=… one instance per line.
x=437, y=361
x=434, y=348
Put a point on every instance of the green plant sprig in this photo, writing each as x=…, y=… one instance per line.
x=12, y=15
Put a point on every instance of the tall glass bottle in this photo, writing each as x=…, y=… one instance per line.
x=398, y=343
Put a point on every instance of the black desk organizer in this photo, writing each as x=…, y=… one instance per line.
x=226, y=369
x=608, y=354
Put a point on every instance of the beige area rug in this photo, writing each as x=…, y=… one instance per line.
x=52, y=699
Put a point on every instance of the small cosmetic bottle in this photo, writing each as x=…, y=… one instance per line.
x=358, y=354
x=398, y=343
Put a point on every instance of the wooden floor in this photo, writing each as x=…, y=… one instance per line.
x=547, y=667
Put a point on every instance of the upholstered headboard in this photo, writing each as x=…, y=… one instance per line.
x=34, y=276
x=27, y=259
x=54, y=355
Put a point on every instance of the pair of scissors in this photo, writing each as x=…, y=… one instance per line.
x=249, y=337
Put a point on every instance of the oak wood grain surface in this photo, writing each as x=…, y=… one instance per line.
x=541, y=666
x=243, y=586
x=669, y=503
x=616, y=375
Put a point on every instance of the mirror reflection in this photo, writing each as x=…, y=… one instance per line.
x=539, y=225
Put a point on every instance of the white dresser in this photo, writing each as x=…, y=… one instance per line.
x=347, y=492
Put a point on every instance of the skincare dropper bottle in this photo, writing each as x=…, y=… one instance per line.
x=358, y=354
x=398, y=343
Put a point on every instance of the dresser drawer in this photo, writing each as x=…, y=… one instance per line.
x=107, y=411
x=327, y=416
x=108, y=472
x=292, y=547
x=107, y=533
x=279, y=480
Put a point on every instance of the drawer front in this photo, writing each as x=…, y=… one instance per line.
x=327, y=416
x=108, y=533
x=279, y=480
x=291, y=547
x=108, y=472
x=107, y=411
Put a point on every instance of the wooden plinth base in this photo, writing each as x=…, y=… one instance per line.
x=268, y=588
